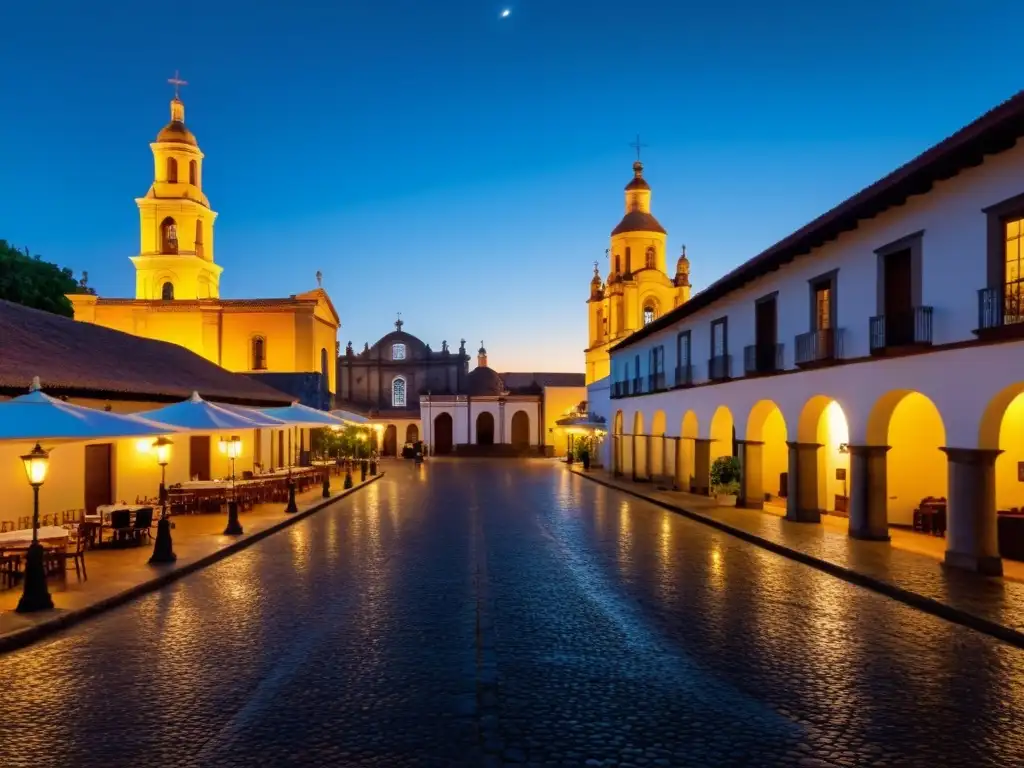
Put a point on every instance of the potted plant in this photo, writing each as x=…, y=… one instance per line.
x=585, y=458
x=725, y=480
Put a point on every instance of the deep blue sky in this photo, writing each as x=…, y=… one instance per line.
x=432, y=159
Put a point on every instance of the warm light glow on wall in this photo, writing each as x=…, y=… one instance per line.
x=144, y=445
x=838, y=432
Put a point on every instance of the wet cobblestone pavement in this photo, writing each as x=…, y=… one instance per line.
x=490, y=613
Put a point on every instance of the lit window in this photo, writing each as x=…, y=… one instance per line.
x=652, y=256
x=398, y=351
x=259, y=354
x=398, y=392
x=648, y=314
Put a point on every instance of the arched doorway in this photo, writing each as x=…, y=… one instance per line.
x=657, y=445
x=390, y=441
x=638, y=455
x=412, y=433
x=485, y=429
x=770, y=476
x=443, y=433
x=825, y=483
x=688, y=432
x=915, y=467
x=520, y=430
x=722, y=433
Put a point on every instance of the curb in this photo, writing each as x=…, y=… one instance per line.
x=913, y=599
x=29, y=635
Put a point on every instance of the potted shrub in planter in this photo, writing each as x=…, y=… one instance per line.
x=585, y=458
x=725, y=480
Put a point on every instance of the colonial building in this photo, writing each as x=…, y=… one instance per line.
x=417, y=393
x=639, y=288
x=870, y=365
x=177, y=284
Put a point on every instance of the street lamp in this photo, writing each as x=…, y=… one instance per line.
x=232, y=446
x=35, y=597
x=163, y=549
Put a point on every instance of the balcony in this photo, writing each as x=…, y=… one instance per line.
x=620, y=389
x=720, y=368
x=638, y=386
x=761, y=359
x=684, y=376
x=901, y=330
x=1001, y=312
x=656, y=382
x=818, y=347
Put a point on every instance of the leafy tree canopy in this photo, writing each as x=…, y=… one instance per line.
x=28, y=280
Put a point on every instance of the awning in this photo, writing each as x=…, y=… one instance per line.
x=303, y=416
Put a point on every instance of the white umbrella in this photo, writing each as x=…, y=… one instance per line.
x=257, y=416
x=349, y=417
x=199, y=415
x=303, y=416
x=39, y=417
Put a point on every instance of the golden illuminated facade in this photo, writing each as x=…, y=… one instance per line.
x=177, y=281
x=638, y=288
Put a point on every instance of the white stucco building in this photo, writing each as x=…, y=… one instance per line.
x=869, y=360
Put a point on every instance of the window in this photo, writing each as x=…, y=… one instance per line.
x=652, y=257
x=629, y=261
x=718, y=338
x=325, y=378
x=168, y=236
x=599, y=331
x=199, y=238
x=398, y=392
x=618, y=264
x=1014, y=271
x=649, y=314
x=172, y=170
x=683, y=348
x=259, y=353
x=398, y=351
x=822, y=305
x=167, y=292
x=193, y=173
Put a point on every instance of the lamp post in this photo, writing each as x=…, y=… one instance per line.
x=233, y=448
x=163, y=549
x=35, y=597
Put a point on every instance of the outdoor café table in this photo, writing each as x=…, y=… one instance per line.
x=20, y=539
x=102, y=514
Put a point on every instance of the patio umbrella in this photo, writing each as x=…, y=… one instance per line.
x=300, y=415
x=349, y=417
x=259, y=418
x=39, y=417
x=200, y=415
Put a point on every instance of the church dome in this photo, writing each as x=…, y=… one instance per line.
x=683, y=265
x=175, y=131
x=638, y=221
x=484, y=381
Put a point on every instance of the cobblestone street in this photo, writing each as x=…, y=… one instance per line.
x=488, y=613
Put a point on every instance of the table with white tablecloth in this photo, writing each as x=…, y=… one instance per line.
x=49, y=534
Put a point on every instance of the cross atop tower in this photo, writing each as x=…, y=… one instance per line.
x=319, y=279
x=177, y=82
x=398, y=322
x=637, y=146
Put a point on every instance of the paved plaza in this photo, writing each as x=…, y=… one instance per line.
x=489, y=613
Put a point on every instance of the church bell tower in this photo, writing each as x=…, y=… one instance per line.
x=175, y=258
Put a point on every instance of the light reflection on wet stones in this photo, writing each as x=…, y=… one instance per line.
x=506, y=614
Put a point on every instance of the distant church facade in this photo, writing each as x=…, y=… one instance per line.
x=418, y=393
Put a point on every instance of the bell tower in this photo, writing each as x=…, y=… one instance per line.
x=175, y=260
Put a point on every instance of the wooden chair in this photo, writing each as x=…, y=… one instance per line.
x=143, y=524
x=6, y=525
x=25, y=521
x=120, y=526
x=10, y=569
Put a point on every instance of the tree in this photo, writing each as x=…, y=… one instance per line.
x=28, y=280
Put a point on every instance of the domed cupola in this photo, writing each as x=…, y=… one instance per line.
x=175, y=131
x=483, y=381
x=595, y=284
x=638, y=216
x=683, y=269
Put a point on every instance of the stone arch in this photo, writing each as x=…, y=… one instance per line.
x=689, y=431
x=912, y=426
x=767, y=425
x=412, y=433
x=823, y=423
x=485, y=428
x=650, y=310
x=444, y=429
x=722, y=432
x=617, y=443
x=167, y=291
x=991, y=425
x=520, y=429
x=658, y=446
x=638, y=454
x=172, y=170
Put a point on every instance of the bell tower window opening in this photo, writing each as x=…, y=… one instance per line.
x=618, y=264
x=172, y=170
x=398, y=392
x=259, y=353
x=652, y=255
x=398, y=351
x=168, y=236
x=193, y=173
x=649, y=314
x=167, y=292
x=199, y=238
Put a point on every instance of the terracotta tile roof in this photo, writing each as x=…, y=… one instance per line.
x=87, y=360
x=994, y=132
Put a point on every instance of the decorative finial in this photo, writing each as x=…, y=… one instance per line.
x=177, y=82
x=637, y=146
x=398, y=322
x=684, y=250
x=319, y=279
x=597, y=273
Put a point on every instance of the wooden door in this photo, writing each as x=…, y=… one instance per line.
x=521, y=430
x=99, y=476
x=199, y=457
x=765, y=334
x=390, y=441
x=899, y=299
x=443, y=434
